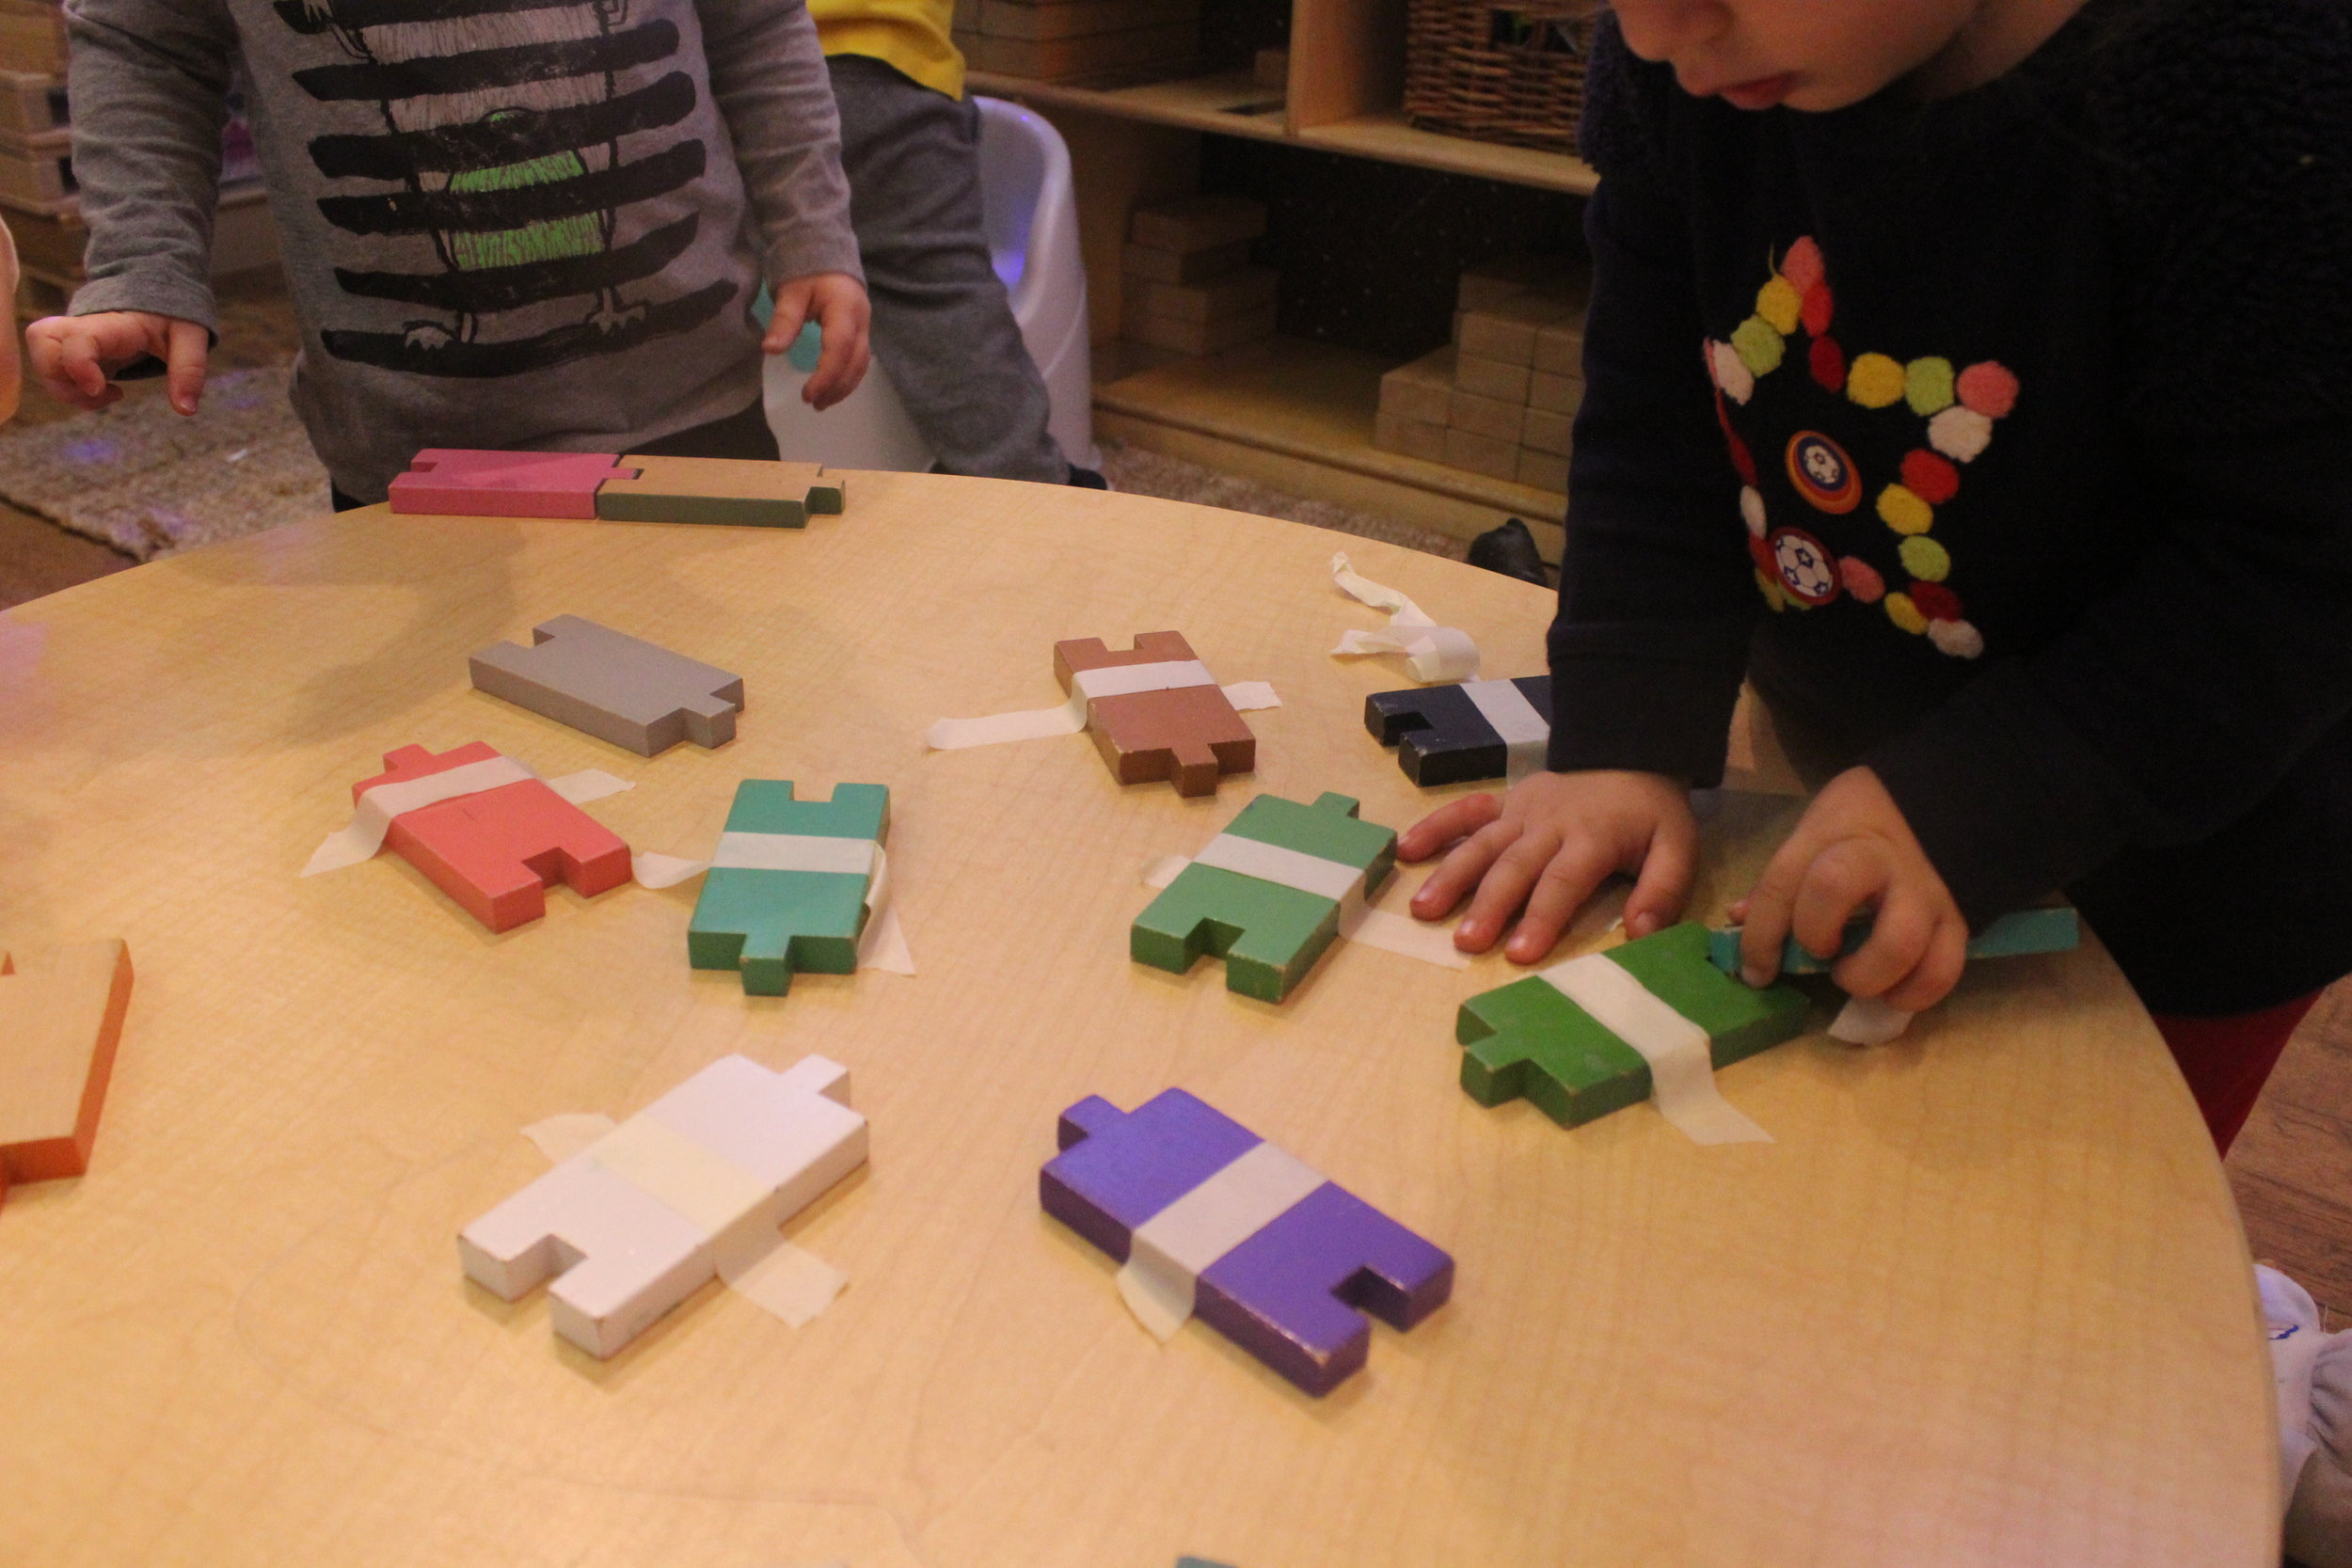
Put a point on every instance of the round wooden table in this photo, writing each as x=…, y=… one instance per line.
x=1985, y=1300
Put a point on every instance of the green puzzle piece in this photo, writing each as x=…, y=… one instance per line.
x=1268, y=934
x=767, y=924
x=1527, y=1040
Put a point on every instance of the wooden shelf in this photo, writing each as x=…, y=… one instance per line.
x=1298, y=415
x=1388, y=137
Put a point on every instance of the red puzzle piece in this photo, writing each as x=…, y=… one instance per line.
x=471, y=483
x=498, y=852
x=1188, y=734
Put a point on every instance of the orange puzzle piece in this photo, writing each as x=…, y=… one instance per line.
x=60, y=1016
x=1187, y=733
x=499, y=851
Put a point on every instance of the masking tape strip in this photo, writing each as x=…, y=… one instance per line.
x=1526, y=733
x=709, y=1191
x=1117, y=680
x=560, y=1136
x=854, y=857
x=1359, y=922
x=371, y=817
x=884, y=942
x=1434, y=653
x=1271, y=862
x=1869, y=1021
x=1681, y=1068
x=1171, y=1251
x=783, y=1280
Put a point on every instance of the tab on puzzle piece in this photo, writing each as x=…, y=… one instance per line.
x=792, y=885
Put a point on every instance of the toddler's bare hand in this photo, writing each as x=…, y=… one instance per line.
x=73, y=357
x=836, y=303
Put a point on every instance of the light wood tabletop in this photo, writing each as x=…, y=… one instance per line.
x=1983, y=1300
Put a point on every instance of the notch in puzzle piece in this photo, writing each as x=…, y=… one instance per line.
x=1529, y=1039
x=497, y=852
x=2014, y=935
x=1271, y=1255
x=60, y=1019
x=694, y=1185
x=1464, y=732
x=736, y=491
x=792, y=884
x=636, y=694
x=1267, y=894
x=1188, y=734
x=472, y=482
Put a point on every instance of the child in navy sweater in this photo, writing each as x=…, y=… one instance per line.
x=1974, y=378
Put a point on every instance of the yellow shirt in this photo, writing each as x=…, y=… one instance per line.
x=910, y=35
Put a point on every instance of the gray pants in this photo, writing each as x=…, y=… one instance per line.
x=942, y=322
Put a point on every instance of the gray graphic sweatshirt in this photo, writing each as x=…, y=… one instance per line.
x=506, y=223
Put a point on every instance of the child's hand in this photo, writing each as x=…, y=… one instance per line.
x=72, y=356
x=836, y=303
x=1853, y=851
x=1548, y=844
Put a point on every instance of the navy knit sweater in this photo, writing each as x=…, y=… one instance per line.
x=2005, y=443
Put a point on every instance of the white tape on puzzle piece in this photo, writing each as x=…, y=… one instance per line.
x=1172, y=1250
x=1681, y=1066
x=1526, y=733
x=1086, y=685
x=372, y=819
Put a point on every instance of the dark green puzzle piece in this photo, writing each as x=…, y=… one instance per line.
x=767, y=924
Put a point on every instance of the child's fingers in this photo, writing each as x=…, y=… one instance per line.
x=1898, y=938
x=1449, y=823
x=784, y=322
x=186, y=351
x=1938, y=970
x=1664, y=884
x=842, y=364
x=1566, y=879
x=1505, y=889
x=1840, y=882
x=1764, y=912
x=1462, y=870
x=65, y=360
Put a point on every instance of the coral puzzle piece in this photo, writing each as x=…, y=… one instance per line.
x=737, y=491
x=2018, y=934
x=792, y=884
x=60, y=1017
x=1464, y=732
x=1267, y=894
x=1527, y=1040
x=692, y=1186
x=498, y=850
x=636, y=694
x=471, y=482
x=1189, y=734
x=1266, y=1252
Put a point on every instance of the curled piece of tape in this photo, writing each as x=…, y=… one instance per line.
x=1681, y=1063
x=884, y=942
x=1869, y=1021
x=1117, y=680
x=1358, y=921
x=371, y=816
x=1433, y=653
x=1171, y=1251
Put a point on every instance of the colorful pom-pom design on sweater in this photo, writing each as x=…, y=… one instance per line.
x=1957, y=408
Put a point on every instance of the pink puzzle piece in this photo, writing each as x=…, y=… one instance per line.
x=468, y=483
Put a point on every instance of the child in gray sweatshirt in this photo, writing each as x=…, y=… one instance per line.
x=505, y=223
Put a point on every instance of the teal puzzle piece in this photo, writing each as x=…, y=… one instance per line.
x=2014, y=935
x=783, y=892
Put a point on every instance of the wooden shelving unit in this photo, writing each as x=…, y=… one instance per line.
x=1293, y=414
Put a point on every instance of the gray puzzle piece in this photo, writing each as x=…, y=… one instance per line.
x=617, y=687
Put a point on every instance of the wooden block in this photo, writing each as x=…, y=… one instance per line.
x=1183, y=266
x=60, y=1019
x=1022, y=19
x=1412, y=437
x=1189, y=734
x=1271, y=68
x=44, y=178
x=1482, y=455
x=1049, y=59
x=1546, y=432
x=1490, y=283
x=1560, y=348
x=737, y=492
x=1554, y=394
x=497, y=852
x=965, y=16
x=1444, y=735
x=1195, y=337
x=471, y=483
x=1292, y=1292
x=789, y=889
x=696, y=1181
x=1507, y=331
x=1492, y=378
x=2018, y=934
x=32, y=103
x=1196, y=223
x=637, y=695
x=51, y=242
x=1268, y=932
x=1544, y=470
x=1527, y=1040
x=32, y=39
x=1422, y=389
x=1489, y=417
x=1249, y=290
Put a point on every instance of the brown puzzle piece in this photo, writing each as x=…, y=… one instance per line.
x=1189, y=734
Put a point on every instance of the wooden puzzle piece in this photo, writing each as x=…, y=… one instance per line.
x=471, y=482
x=790, y=888
x=695, y=1182
x=636, y=694
x=1267, y=894
x=1217, y=1221
x=497, y=852
x=1529, y=1039
x=60, y=1017
x=735, y=491
x=2017, y=934
x=1189, y=734
x=1458, y=734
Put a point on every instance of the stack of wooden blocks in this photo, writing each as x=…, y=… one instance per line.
x=1498, y=400
x=1187, y=283
x=35, y=146
x=1050, y=39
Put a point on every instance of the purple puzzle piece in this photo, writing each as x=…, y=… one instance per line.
x=1290, y=1294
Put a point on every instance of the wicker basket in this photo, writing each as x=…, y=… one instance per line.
x=1500, y=73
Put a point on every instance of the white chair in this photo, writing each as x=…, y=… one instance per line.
x=1032, y=216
